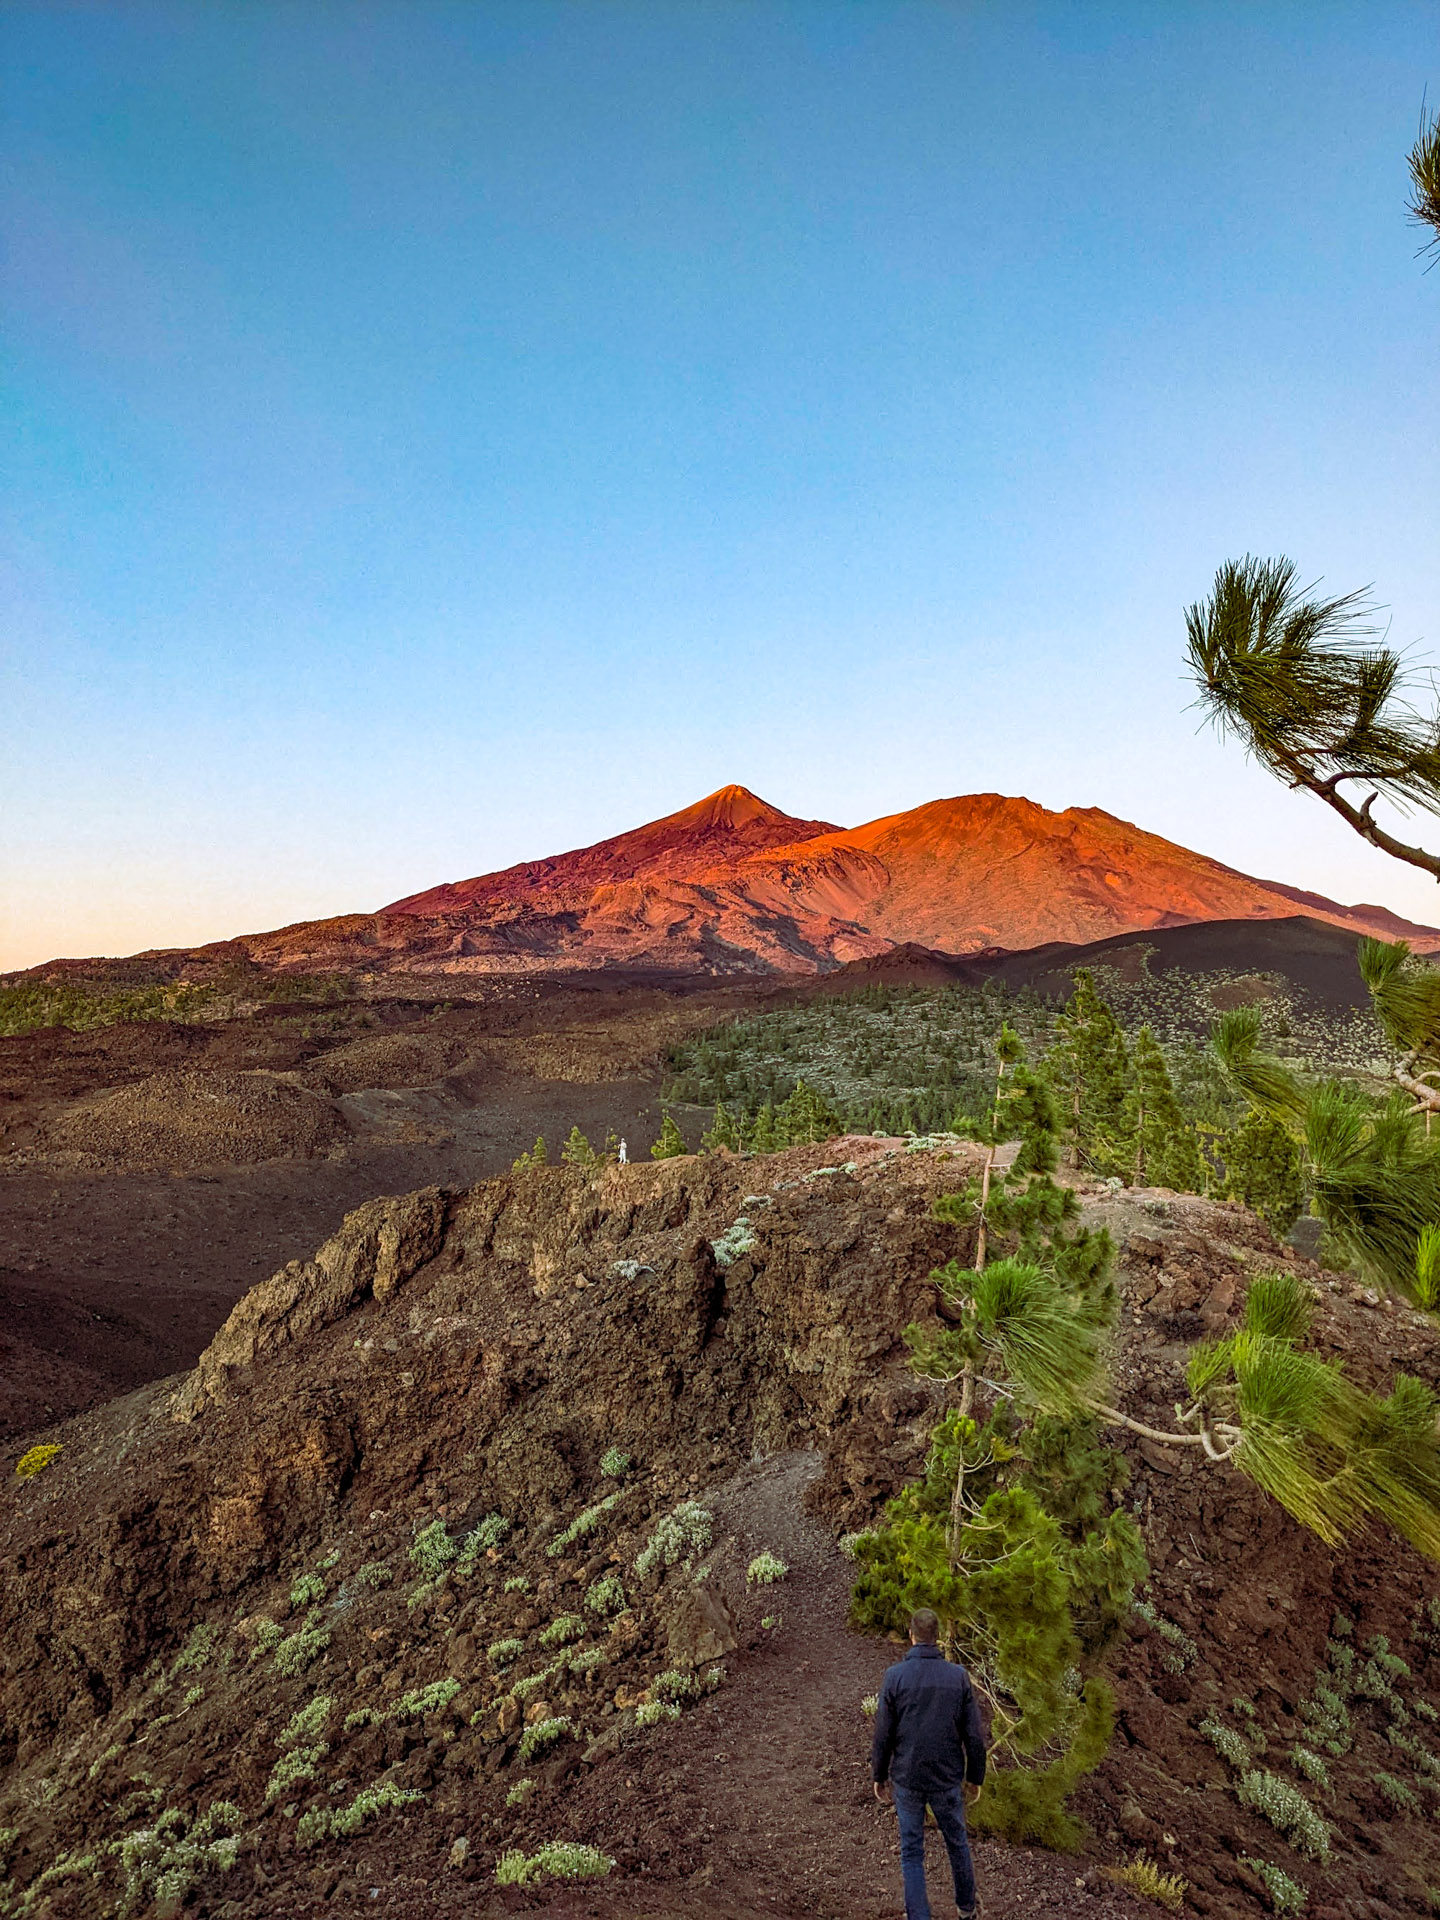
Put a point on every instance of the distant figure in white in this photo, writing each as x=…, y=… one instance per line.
x=624, y=1156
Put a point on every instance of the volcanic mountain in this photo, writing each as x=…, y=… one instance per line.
x=734, y=886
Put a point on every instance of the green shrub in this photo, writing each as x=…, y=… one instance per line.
x=196, y=1651
x=606, y=1595
x=614, y=1464
x=765, y=1569
x=373, y=1574
x=299, y=1650
x=307, y=1723
x=422, y=1700
x=651, y=1712
x=166, y=1860
x=432, y=1550
x=1182, y=1651
x=480, y=1539
x=1287, y=1810
x=681, y=1535
x=542, y=1735
x=321, y=1824
x=1142, y=1876
x=1312, y=1766
x=306, y=1591
x=520, y=1792
x=561, y=1632
x=504, y=1653
x=584, y=1524
x=1026, y=1805
x=363, y=1717
x=560, y=1860
x=300, y=1763
x=1286, y=1895
x=1397, y=1793
x=517, y=1583
x=588, y=1662
x=533, y=1682
x=672, y=1685
x=1226, y=1742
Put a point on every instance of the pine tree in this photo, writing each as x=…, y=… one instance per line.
x=805, y=1118
x=536, y=1157
x=577, y=1150
x=763, y=1136
x=723, y=1136
x=1165, y=1146
x=671, y=1143
x=1262, y=1169
x=1090, y=1067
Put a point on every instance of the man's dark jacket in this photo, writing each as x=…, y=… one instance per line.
x=927, y=1726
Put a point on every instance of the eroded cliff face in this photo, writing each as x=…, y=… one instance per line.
x=207, y=1557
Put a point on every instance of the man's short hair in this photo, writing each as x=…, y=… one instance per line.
x=925, y=1626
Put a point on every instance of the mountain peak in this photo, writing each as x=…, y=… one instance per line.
x=727, y=807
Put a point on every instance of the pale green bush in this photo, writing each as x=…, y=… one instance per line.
x=1226, y=1742
x=520, y=1792
x=306, y=1591
x=605, y=1595
x=196, y=1651
x=321, y=1824
x=300, y=1763
x=651, y=1712
x=267, y=1637
x=765, y=1569
x=614, y=1464
x=1312, y=1766
x=432, y=1550
x=504, y=1653
x=164, y=1861
x=542, y=1735
x=422, y=1700
x=584, y=1524
x=680, y=1535
x=307, y=1724
x=300, y=1649
x=560, y=1860
x=489, y=1533
x=1287, y=1810
x=561, y=1632
x=517, y=1583
x=1397, y=1793
x=1286, y=1895
x=373, y=1574
x=533, y=1682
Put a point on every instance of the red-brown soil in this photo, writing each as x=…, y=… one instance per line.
x=452, y=1354
x=734, y=886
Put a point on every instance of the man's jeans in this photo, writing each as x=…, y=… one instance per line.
x=948, y=1805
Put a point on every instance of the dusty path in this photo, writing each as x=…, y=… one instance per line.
x=768, y=1780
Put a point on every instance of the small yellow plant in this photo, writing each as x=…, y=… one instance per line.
x=36, y=1461
x=1142, y=1876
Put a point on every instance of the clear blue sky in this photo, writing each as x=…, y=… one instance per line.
x=442, y=435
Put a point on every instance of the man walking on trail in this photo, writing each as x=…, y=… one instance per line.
x=929, y=1749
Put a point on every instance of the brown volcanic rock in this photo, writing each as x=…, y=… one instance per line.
x=446, y=1355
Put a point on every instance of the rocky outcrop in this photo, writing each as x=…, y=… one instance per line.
x=379, y=1247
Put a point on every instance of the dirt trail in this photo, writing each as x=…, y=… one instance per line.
x=772, y=1774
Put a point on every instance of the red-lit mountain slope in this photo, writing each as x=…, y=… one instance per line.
x=732, y=886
